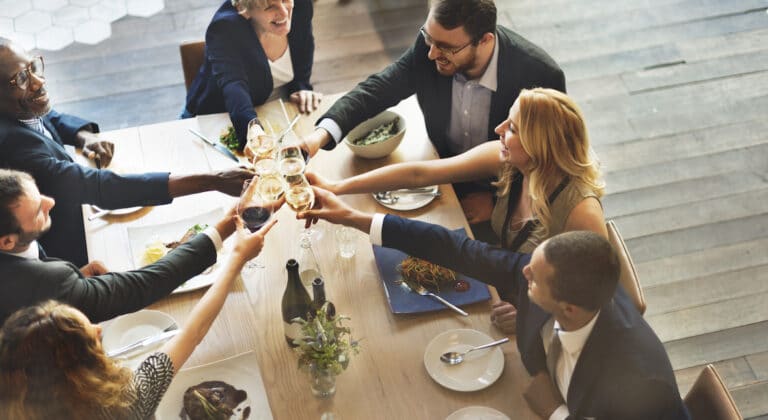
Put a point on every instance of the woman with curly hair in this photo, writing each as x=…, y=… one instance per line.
x=548, y=179
x=52, y=364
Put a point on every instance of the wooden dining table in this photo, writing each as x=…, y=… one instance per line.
x=388, y=378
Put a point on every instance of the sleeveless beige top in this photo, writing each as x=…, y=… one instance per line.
x=568, y=198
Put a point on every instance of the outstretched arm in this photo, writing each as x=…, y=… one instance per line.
x=480, y=162
x=180, y=347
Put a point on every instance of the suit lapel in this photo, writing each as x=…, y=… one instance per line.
x=440, y=113
x=534, y=357
x=54, y=133
x=590, y=361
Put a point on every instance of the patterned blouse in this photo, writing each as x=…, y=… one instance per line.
x=150, y=381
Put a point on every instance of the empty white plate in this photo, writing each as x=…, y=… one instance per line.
x=130, y=328
x=480, y=369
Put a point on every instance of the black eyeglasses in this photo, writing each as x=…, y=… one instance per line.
x=21, y=79
x=446, y=51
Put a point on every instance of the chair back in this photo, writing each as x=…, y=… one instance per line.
x=628, y=278
x=709, y=398
x=192, y=55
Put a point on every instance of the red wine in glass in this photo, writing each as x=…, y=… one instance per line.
x=255, y=217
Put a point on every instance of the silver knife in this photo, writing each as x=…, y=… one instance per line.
x=220, y=147
x=144, y=342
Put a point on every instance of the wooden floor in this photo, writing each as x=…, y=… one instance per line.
x=676, y=96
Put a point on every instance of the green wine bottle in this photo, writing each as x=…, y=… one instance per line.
x=318, y=291
x=296, y=303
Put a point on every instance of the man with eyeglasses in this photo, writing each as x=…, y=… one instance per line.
x=466, y=72
x=32, y=139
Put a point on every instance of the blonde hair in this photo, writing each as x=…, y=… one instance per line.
x=552, y=132
x=52, y=367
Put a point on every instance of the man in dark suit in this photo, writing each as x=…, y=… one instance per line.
x=466, y=72
x=29, y=276
x=591, y=354
x=32, y=139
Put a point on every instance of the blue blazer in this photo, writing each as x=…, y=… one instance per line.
x=235, y=75
x=521, y=64
x=623, y=371
x=71, y=184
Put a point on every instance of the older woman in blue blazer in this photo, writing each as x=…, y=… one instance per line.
x=255, y=50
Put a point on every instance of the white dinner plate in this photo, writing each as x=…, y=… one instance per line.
x=241, y=371
x=130, y=328
x=116, y=212
x=477, y=412
x=480, y=369
x=407, y=202
x=140, y=237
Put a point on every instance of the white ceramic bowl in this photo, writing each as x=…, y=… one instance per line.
x=382, y=148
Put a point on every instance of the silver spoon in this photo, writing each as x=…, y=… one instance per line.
x=454, y=358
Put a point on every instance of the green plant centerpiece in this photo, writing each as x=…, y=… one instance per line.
x=325, y=348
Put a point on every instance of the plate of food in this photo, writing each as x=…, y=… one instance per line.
x=228, y=389
x=451, y=286
x=152, y=242
x=377, y=137
x=477, y=412
x=480, y=368
x=407, y=199
x=130, y=328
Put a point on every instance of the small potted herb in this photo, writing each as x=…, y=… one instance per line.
x=324, y=348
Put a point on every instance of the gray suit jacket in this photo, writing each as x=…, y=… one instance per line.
x=25, y=282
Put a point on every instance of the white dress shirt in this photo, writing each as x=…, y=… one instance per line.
x=572, y=343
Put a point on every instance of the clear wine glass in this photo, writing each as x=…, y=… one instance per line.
x=299, y=196
x=261, y=144
x=254, y=211
x=270, y=184
x=289, y=157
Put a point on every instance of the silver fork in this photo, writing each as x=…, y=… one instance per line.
x=391, y=197
x=424, y=292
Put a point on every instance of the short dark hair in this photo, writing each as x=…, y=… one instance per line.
x=586, y=268
x=11, y=189
x=478, y=17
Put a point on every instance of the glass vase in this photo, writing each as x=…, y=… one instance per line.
x=323, y=383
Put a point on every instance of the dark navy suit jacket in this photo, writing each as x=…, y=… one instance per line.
x=71, y=184
x=25, y=282
x=623, y=371
x=521, y=64
x=235, y=75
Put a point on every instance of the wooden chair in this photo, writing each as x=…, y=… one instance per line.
x=709, y=398
x=628, y=278
x=192, y=55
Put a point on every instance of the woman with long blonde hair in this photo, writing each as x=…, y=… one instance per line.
x=52, y=364
x=548, y=178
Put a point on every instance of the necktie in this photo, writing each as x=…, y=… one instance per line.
x=555, y=348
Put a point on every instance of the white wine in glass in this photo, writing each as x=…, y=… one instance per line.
x=261, y=144
x=300, y=197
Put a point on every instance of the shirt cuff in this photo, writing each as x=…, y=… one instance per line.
x=215, y=237
x=561, y=413
x=377, y=225
x=332, y=128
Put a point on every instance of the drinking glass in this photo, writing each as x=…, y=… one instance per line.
x=299, y=196
x=254, y=211
x=261, y=144
x=270, y=185
x=289, y=157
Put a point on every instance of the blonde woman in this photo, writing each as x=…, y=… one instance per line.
x=548, y=181
x=256, y=50
x=52, y=364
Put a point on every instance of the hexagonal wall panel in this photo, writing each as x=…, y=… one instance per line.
x=54, y=38
x=14, y=8
x=92, y=32
x=33, y=21
x=54, y=24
